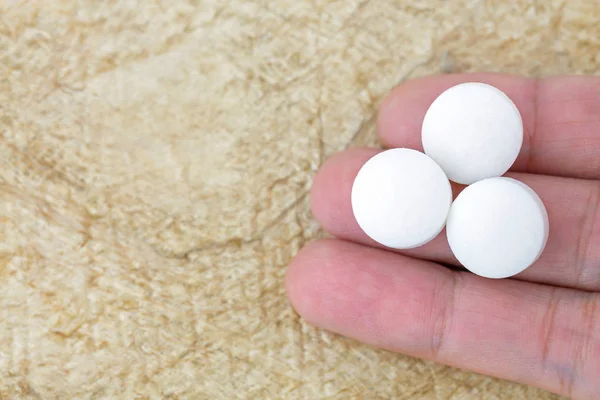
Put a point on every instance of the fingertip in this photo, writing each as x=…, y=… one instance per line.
x=369, y=294
x=332, y=206
x=402, y=112
x=306, y=277
x=332, y=186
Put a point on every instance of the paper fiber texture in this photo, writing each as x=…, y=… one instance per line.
x=155, y=162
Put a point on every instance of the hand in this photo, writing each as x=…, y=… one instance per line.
x=541, y=328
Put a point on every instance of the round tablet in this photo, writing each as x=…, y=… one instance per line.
x=401, y=198
x=473, y=131
x=497, y=227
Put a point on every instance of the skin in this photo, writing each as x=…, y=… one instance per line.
x=541, y=328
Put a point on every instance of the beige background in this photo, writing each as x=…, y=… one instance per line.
x=155, y=162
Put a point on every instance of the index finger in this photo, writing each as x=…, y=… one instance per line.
x=561, y=119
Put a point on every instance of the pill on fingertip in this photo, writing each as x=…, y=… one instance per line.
x=401, y=198
x=473, y=131
x=497, y=227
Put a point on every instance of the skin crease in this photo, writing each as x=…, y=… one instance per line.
x=541, y=328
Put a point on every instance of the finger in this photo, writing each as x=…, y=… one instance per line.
x=571, y=257
x=561, y=118
x=533, y=334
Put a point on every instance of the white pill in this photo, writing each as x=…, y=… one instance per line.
x=473, y=131
x=497, y=227
x=401, y=198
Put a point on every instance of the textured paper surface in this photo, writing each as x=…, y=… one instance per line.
x=155, y=162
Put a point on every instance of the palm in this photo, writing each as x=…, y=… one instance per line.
x=542, y=328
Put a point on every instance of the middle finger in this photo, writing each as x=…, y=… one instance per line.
x=571, y=257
